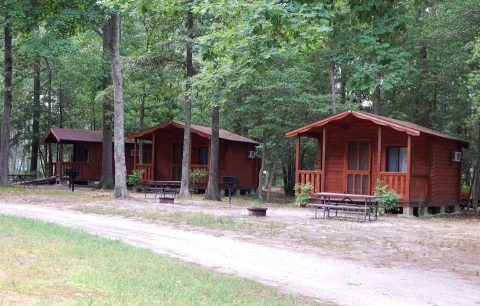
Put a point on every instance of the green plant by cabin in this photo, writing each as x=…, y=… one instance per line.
x=197, y=176
x=387, y=197
x=135, y=179
x=302, y=196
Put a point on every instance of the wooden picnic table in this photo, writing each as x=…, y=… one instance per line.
x=356, y=203
x=163, y=187
x=23, y=179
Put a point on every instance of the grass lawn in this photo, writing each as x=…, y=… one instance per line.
x=42, y=263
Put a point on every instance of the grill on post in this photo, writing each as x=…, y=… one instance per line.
x=72, y=174
x=230, y=181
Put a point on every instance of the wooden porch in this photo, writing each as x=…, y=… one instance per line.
x=410, y=186
x=149, y=176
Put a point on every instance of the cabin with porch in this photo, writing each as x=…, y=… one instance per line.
x=80, y=150
x=159, y=150
x=353, y=149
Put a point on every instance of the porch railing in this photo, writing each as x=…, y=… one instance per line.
x=396, y=181
x=58, y=169
x=147, y=171
x=313, y=177
x=204, y=180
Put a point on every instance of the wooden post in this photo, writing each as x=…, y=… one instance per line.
x=379, y=152
x=153, y=157
x=409, y=164
x=297, y=158
x=324, y=149
x=135, y=154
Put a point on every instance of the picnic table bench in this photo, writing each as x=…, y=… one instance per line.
x=166, y=190
x=347, y=203
x=25, y=180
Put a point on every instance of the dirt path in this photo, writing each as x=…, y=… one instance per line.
x=325, y=278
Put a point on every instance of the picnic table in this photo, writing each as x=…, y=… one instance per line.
x=166, y=190
x=26, y=180
x=348, y=203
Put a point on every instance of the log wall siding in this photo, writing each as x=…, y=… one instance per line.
x=444, y=173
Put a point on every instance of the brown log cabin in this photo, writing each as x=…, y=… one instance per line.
x=80, y=150
x=355, y=148
x=161, y=158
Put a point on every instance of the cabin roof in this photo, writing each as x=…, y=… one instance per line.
x=399, y=125
x=61, y=134
x=196, y=129
x=74, y=135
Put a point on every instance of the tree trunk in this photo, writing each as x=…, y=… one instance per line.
x=185, y=180
x=120, y=190
x=343, y=85
x=271, y=176
x=48, y=148
x=476, y=190
x=333, y=85
x=260, y=172
x=36, y=116
x=106, y=181
x=289, y=180
x=212, y=188
x=378, y=101
x=7, y=104
x=60, y=105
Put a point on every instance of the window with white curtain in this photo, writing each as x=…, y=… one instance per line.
x=397, y=159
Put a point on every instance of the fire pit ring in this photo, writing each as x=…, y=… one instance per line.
x=257, y=211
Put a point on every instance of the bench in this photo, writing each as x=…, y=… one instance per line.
x=354, y=209
x=347, y=203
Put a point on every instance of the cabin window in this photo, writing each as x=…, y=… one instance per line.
x=203, y=156
x=79, y=154
x=396, y=159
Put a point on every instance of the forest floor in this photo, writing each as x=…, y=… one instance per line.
x=393, y=260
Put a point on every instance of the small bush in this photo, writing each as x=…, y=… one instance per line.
x=302, y=196
x=197, y=175
x=135, y=179
x=388, y=198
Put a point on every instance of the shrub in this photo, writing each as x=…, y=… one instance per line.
x=388, y=198
x=302, y=196
x=135, y=178
x=197, y=175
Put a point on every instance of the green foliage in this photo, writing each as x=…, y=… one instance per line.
x=197, y=175
x=388, y=198
x=302, y=194
x=135, y=179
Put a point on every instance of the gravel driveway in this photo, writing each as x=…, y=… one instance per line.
x=326, y=278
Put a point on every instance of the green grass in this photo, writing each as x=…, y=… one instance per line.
x=42, y=263
x=200, y=219
x=65, y=193
x=251, y=200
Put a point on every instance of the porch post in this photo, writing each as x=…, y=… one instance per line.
x=324, y=147
x=409, y=164
x=297, y=158
x=379, y=152
x=135, y=153
x=153, y=156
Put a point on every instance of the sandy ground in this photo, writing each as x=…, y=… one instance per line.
x=347, y=263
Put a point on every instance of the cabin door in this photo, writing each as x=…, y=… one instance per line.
x=177, y=153
x=358, y=167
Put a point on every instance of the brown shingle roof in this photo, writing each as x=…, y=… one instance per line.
x=60, y=134
x=403, y=126
x=198, y=129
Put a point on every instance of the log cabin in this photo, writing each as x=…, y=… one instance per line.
x=161, y=157
x=354, y=149
x=80, y=150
